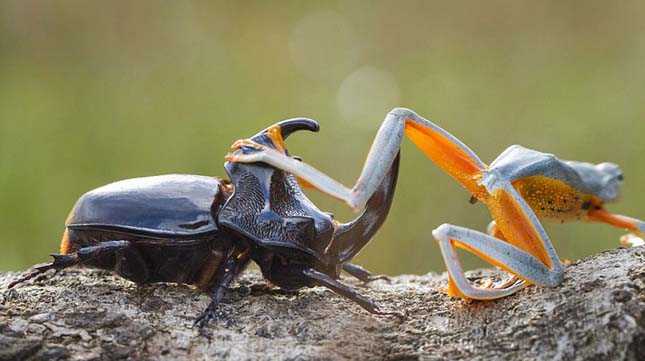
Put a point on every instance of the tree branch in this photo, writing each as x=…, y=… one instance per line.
x=597, y=313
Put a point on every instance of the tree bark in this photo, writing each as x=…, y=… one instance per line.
x=597, y=313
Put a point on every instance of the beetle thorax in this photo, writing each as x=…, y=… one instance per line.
x=269, y=208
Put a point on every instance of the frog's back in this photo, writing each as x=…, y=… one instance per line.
x=556, y=190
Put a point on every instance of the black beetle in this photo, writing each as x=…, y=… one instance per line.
x=204, y=231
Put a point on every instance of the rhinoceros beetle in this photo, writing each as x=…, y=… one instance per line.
x=204, y=231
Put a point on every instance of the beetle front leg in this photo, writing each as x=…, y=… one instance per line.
x=362, y=274
x=321, y=279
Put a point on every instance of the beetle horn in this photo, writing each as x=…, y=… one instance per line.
x=292, y=125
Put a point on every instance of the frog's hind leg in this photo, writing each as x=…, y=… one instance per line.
x=497, y=252
x=85, y=254
x=443, y=148
x=526, y=251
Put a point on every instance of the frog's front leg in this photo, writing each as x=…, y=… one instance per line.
x=597, y=213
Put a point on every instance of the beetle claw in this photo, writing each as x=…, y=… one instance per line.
x=60, y=262
x=204, y=318
x=211, y=313
x=385, y=278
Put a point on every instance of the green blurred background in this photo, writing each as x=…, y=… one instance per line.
x=93, y=92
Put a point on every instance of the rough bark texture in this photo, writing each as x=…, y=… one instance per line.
x=597, y=313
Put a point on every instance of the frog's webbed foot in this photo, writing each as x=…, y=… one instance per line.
x=247, y=143
x=632, y=240
x=508, y=282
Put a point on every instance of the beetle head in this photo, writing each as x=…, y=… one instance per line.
x=268, y=206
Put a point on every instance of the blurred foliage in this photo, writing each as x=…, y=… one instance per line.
x=93, y=92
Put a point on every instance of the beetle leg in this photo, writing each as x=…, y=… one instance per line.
x=232, y=267
x=62, y=261
x=321, y=279
x=362, y=274
x=443, y=148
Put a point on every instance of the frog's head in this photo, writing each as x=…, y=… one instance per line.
x=603, y=179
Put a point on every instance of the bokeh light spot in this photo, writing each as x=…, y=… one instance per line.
x=366, y=95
